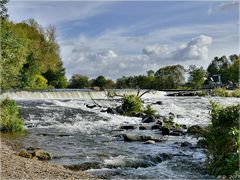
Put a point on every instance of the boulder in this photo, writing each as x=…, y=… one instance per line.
x=155, y=126
x=128, y=127
x=195, y=130
x=148, y=119
x=165, y=131
x=25, y=153
x=143, y=128
x=91, y=106
x=186, y=144
x=174, y=133
x=159, y=103
x=42, y=155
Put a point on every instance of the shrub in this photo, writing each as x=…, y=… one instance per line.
x=132, y=103
x=236, y=93
x=223, y=140
x=10, y=116
x=149, y=111
x=222, y=92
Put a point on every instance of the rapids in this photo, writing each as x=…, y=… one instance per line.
x=60, y=123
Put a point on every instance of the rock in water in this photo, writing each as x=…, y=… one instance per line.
x=158, y=102
x=148, y=119
x=91, y=106
x=128, y=127
x=119, y=110
x=156, y=126
x=186, y=144
x=142, y=128
x=130, y=137
x=84, y=166
x=165, y=131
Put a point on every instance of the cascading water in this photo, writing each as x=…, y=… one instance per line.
x=71, y=94
x=88, y=139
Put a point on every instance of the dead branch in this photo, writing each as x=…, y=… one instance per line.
x=94, y=100
x=145, y=93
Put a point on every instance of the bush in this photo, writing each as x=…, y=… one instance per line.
x=149, y=111
x=222, y=92
x=132, y=103
x=223, y=141
x=236, y=93
x=10, y=116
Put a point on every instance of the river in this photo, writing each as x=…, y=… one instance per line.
x=60, y=122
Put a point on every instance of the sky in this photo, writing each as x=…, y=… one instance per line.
x=116, y=38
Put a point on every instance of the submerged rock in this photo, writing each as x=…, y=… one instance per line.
x=128, y=137
x=128, y=127
x=111, y=110
x=186, y=144
x=174, y=133
x=120, y=110
x=84, y=166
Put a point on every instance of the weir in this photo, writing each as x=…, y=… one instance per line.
x=73, y=94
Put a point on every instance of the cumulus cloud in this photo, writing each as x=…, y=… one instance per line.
x=90, y=61
x=196, y=49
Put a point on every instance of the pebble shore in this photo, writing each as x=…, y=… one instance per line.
x=16, y=167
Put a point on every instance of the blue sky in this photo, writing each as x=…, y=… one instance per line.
x=116, y=38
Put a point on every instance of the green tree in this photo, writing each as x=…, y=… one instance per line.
x=170, y=77
x=197, y=76
x=3, y=9
x=13, y=53
x=100, y=81
x=79, y=81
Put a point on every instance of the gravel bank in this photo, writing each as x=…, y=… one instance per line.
x=15, y=167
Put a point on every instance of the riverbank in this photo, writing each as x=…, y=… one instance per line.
x=16, y=167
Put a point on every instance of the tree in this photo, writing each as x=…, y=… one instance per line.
x=170, y=76
x=13, y=53
x=228, y=69
x=197, y=76
x=79, y=81
x=100, y=81
x=3, y=9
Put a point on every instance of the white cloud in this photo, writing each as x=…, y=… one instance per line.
x=91, y=61
x=196, y=49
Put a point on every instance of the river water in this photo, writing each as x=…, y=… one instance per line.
x=77, y=135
